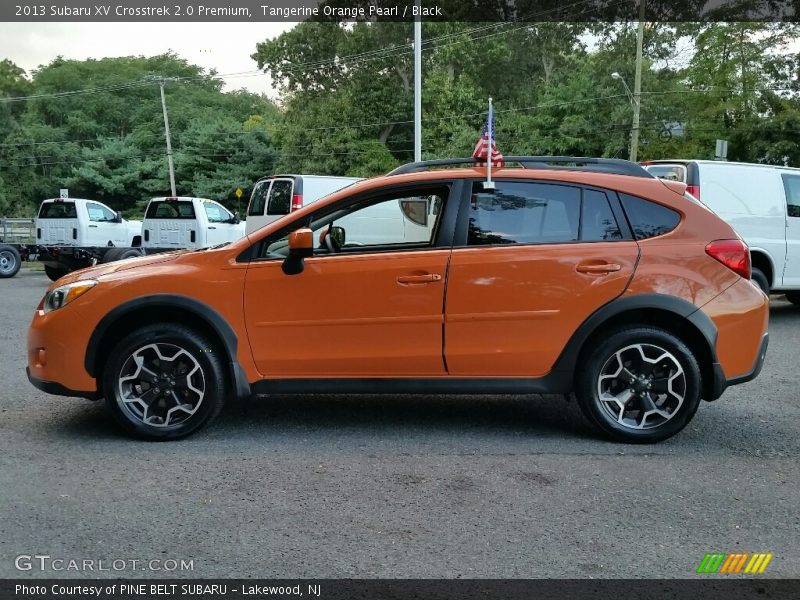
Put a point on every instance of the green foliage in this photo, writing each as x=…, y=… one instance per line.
x=346, y=97
x=110, y=144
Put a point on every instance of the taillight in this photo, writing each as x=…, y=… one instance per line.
x=297, y=202
x=734, y=254
x=694, y=190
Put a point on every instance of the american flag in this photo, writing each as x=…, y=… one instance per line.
x=481, y=151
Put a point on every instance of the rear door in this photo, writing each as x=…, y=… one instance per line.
x=171, y=223
x=257, y=207
x=535, y=260
x=279, y=200
x=791, y=274
x=57, y=223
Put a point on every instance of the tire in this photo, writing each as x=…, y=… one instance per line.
x=647, y=415
x=793, y=297
x=54, y=273
x=150, y=369
x=10, y=261
x=758, y=277
x=115, y=254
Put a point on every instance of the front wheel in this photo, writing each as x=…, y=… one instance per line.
x=640, y=384
x=164, y=381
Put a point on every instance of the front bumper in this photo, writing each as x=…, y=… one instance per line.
x=50, y=387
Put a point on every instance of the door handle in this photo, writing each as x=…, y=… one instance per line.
x=598, y=269
x=93, y=226
x=210, y=227
x=412, y=279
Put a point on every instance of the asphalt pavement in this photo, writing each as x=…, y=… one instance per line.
x=409, y=487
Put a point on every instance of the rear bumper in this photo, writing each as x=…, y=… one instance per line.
x=720, y=383
x=56, y=389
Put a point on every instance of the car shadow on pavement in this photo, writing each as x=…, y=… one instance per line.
x=373, y=416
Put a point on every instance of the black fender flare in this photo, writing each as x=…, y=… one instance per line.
x=194, y=307
x=566, y=364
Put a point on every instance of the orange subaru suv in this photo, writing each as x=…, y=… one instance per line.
x=560, y=275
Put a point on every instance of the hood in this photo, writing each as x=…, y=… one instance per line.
x=122, y=265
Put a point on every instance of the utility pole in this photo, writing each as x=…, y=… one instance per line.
x=418, y=85
x=169, y=141
x=637, y=85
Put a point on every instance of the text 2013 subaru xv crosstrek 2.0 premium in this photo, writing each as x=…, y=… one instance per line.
x=566, y=275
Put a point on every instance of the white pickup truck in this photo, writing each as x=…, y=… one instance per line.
x=172, y=223
x=73, y=233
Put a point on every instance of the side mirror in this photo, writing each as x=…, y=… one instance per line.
x=118, y=218
x=338, y=235
x=236, y=218
x=301, y=246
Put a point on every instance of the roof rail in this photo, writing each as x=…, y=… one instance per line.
x=615, y=166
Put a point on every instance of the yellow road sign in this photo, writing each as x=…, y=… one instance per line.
x=238, y=192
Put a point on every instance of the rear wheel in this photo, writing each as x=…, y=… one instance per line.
x=54, y=273
x=10, y=261
x=793, y=297
x=640, y=384
x=115, y=254
x=164, y=381
x=760, y=280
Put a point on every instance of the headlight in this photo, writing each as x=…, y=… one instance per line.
x=63, y=295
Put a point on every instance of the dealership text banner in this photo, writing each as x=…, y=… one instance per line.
x=394, y=10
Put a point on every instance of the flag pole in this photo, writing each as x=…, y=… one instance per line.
x=489, y=184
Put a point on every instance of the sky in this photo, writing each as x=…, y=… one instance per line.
x=225, y=47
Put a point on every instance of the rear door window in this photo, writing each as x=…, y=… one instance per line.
x=280, y=197
x=648, y=219
x=524, y=213
x=58, y=210
x=791, y=183
x=258, y=199
x=670, y=172
x=597, y=219
x=170, y=209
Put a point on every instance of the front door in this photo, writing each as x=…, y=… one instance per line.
x=539, y=258
x=369, y=302
x=791, y=273
x=102, y=228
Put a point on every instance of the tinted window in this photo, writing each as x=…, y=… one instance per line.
x=58, y=210
x=258, y=199
x=98, y=212
x=791, y=183
x=170, y=209
x=280, y=197
x=648, y=219
x=597, y=221
x=524, y=213
x=670, y=172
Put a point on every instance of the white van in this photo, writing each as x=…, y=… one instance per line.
x=762, y=202
x=82, y=223
x=278, y=195
x=184, y=222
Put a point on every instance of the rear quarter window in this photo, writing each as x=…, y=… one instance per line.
x=58, y=210
x=648, y=219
